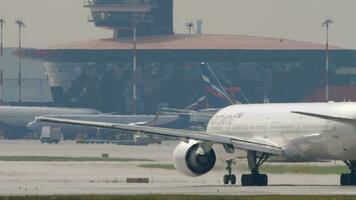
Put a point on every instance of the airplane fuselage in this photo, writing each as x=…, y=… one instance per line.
x=303, y=138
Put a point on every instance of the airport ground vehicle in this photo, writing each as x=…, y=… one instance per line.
x=51, y=135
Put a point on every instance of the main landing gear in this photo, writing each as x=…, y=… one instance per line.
x=349, y=179
x=229, y=177
x=255, y=178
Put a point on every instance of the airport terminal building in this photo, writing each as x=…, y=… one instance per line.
x=98, y=73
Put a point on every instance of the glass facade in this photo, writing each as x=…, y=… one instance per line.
x=102, y=79
x=108, y=86
x=33, y=90
x=35, y=87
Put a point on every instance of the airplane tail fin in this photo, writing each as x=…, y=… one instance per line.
x=213, y=87
x=214, y=96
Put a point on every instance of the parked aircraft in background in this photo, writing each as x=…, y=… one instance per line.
x=14, y=119
x=292, y=132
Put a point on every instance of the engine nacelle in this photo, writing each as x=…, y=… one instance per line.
x=193, y=158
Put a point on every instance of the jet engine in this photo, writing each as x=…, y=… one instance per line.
x=193, y=158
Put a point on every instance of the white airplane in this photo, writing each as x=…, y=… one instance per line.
x=293, y=132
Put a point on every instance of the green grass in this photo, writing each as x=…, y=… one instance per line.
x=274, y=169
x=157, y=166
x=303, y=169
x=179, y=197
x=67, y=159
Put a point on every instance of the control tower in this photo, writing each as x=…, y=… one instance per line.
x=151, y=17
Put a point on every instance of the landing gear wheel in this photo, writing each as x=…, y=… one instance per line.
x=255, y=178
x=247, y=180
x=261, y=180
x=226, y=179
x=229, y=177
x=349, y=179
x=233, y=179
x=344, y=179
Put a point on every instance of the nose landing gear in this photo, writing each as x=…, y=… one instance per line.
x=229, y=177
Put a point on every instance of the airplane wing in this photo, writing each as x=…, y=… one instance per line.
x=343, y=120
x=259, y=145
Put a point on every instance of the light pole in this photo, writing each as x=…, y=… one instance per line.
x=134, y=73
x=326, y=24
x=135, y=77
x=2, y=22
x=21, y=25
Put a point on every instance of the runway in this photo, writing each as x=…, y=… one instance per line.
x=65, y=178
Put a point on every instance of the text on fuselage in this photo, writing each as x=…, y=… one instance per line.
x=226, y=119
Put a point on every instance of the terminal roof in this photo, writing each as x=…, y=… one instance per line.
x=189, y=42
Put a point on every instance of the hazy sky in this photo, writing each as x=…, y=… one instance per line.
x=57, y=21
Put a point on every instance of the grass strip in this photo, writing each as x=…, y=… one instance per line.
x=67, y=159
x=274, y=169
x=303, y=169
x=158, y=166
x=181, y=197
